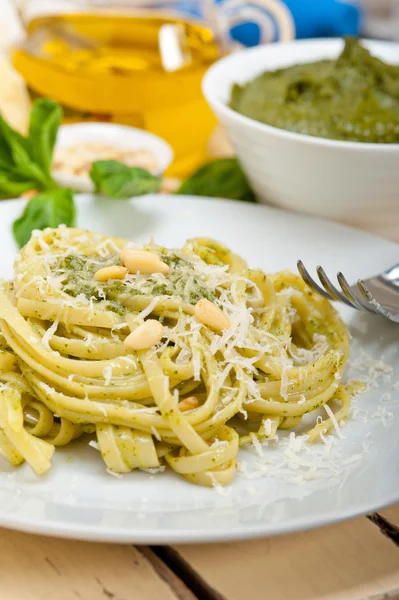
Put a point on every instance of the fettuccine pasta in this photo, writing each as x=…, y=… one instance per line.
x=163, y=356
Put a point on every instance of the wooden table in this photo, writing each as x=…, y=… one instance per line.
x=356, y=560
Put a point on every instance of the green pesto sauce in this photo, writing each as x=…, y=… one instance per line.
x=80, y=279
x=181, y=271
x=354, y=98
x=182, y=281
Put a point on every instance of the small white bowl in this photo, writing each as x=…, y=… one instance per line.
x=348, y=181
x=118, y=136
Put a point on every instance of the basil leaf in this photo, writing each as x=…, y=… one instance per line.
x=13, y=139
x=25, y=162
x=220, y=178
x=48, y=209
x=17, y=148
x=116, y=180
x=45, y=119
x=6, y=157
x=12, y=186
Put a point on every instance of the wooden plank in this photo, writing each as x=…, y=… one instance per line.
x=391, y=514
x=40, y=568
x=350, y=561
x=167, y=574
x=387, y=521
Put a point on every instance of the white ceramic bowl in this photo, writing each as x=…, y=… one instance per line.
x=119, y=136
x=348, y=181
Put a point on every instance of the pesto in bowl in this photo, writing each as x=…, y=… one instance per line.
x=354, y=97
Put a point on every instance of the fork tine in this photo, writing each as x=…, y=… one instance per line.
x=310, y=281
x=331, y=289
x=358, y=303
x=368, y=296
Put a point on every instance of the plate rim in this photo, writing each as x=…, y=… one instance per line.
x=169, y=536
x=228, y=202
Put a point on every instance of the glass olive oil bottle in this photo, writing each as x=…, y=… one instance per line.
x=135, y=69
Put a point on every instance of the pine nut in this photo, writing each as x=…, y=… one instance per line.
x=145, y=336
x=143, y=261
x=114, y=272
x=188, y=403
x=211, y=315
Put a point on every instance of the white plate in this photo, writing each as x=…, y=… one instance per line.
x=77, y=498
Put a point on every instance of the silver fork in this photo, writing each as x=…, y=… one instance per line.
x=378, y=295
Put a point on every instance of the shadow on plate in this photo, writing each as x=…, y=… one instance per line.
x=122, y=218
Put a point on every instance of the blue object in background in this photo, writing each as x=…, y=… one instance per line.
x=325, y=18
x=312, y=18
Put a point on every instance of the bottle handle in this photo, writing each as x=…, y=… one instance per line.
x=267, y=14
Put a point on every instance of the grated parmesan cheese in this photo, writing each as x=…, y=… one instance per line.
x=268, y=426
x=114, y=474
x=89, y=339
x=243, y=412
x=154, y=470
x=256, y=444
x=334, y=420
x=219, y=489
x=101, y=408
x=147, y=311
x=107, y=374
x=156, y=434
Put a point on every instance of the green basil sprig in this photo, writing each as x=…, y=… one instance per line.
x=116, y=180
x=220, y=178
x=25, y=162
x=47, y=209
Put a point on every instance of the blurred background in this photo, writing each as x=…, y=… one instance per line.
x=103, y=64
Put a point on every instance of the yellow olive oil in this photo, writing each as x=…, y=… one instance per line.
x=138, y=70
